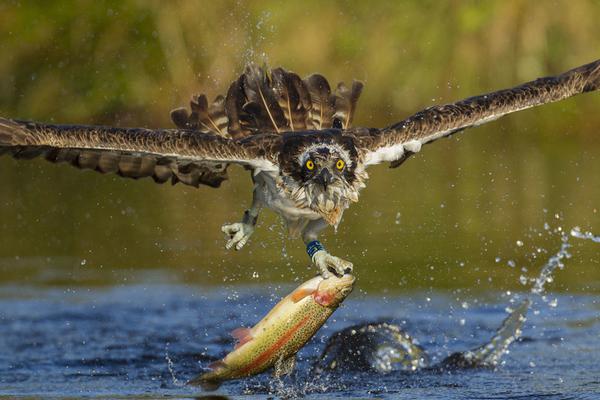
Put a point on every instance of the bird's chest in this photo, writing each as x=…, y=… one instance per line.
x=273, y=197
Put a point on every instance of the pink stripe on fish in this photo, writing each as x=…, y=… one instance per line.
x=276, y=346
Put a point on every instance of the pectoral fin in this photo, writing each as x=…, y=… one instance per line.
x=284, y=366
x=242, y=335
x=299, y=294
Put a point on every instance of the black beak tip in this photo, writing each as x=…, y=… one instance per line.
x=325, y=178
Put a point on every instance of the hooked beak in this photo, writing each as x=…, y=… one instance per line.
x=325, y=178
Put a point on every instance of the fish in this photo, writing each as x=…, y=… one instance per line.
x=275, y=339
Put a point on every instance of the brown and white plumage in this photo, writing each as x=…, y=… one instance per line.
x=294, y=134
x=396, y=142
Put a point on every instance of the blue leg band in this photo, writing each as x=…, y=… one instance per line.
x=313, y=247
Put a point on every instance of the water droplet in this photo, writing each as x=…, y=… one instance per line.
x=398, y=215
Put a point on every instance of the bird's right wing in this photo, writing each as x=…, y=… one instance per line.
x=188, y=156
x=396, y=142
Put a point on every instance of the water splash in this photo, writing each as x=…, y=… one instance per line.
x=171, y=369
x=554, y=262
x=490, y=353
x=576, y=232
x=557, y=260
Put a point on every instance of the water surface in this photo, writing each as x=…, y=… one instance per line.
x=120, y=342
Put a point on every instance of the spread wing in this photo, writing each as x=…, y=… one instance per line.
x=277, y=101
x=397, y=142
x=187, y=156
x=243, y=127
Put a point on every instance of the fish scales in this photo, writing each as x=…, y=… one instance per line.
x=282, y=332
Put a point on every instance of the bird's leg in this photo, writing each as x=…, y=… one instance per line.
x=325, y=262
x=239, y=233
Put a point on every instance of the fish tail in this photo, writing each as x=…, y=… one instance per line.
x=206, y=383
x=209, y=381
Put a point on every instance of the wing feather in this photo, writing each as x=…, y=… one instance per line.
x=186, y=156
x=323, y=103
x=345, y=103
x=396, y=142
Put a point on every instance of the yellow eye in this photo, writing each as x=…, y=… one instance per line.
x=340, y=164
x=310, y=165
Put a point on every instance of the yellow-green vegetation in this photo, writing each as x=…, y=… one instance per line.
x=438, y=221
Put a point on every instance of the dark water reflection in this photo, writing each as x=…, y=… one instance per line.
x=450, y=218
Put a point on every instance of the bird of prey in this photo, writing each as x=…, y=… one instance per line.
x=294, y=135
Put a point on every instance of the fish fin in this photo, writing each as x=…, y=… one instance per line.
x=299, y=294
x=206, y=384
x=284, y=366
x=216, y=365
x=242, y=335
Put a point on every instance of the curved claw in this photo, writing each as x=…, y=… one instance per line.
x=238, y=234
x=326, y=263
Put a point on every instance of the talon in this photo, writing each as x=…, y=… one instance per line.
x=238, y=234
x=325, y=272
x=328, y=263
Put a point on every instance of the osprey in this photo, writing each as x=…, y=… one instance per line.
x=294, y=135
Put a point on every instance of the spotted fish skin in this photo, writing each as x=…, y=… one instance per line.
x=281, y=333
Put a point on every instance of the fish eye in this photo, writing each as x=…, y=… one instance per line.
x=310, y=165
x=340, y=164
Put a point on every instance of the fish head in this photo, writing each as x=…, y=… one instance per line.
x=332, y=291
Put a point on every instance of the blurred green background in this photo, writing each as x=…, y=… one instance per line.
x=449, y=218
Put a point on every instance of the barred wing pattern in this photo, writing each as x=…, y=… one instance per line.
x=398, y=141
x=241, y=128
x=263, y=100
x=185, y=156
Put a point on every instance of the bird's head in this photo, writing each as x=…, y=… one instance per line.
x=321, y=171
x=324, y=167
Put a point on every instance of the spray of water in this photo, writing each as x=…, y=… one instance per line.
x=490, y=353
x=171, y=368
x=554, y=262
x=576, y=232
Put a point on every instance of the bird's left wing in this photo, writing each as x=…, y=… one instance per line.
x=188, y=156
x=397, y=142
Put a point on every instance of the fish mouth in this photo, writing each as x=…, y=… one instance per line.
x=346, y=280
x=337, y=284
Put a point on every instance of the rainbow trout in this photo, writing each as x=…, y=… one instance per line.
x=275, y=340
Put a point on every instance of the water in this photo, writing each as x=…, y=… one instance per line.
x=147, y=340
x=117, y=342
